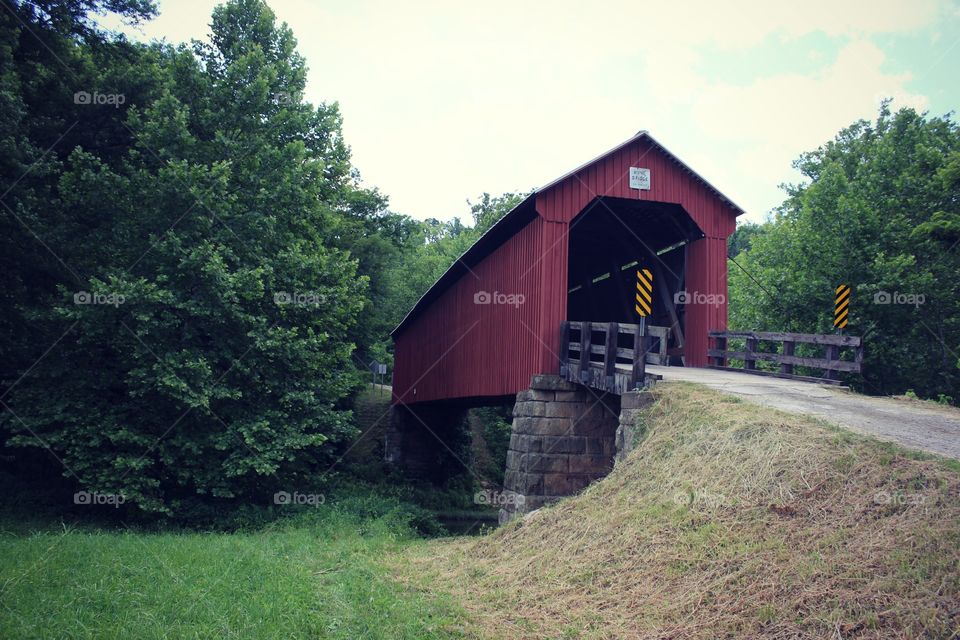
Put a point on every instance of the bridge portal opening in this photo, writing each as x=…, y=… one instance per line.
x=609, y=241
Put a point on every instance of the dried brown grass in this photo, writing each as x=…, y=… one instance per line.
x=728, y=520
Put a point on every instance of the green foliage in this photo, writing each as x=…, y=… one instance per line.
x=199, y=218
x=239, y=274
x=489, y=209
x=880, y=213
x=497, y=427
x=740, y=240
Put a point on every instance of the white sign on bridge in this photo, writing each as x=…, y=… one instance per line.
x=639, y=178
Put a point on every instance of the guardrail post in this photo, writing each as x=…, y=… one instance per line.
x=586, y=335
x=610, y=356
x=722, y=346
x=639, y=374
x=833, y=353
x=749, y=363
x=787, y=351
x=564, y=349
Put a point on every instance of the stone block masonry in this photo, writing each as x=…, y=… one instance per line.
x=564, y=438
x=629, y=432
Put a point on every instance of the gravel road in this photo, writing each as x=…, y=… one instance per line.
x=909, y=423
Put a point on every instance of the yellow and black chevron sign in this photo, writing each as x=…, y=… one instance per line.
x=644, y=292
x=841, y=311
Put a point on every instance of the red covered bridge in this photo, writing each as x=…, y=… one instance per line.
x=569, y=252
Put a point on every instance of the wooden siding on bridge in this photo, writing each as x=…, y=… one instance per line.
x=457, y=348
x=706, y=270
x=453, y=348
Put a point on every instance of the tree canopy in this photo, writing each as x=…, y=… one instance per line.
x=880, y=212
x=201, y=314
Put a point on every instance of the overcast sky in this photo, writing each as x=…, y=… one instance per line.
x=443, y=101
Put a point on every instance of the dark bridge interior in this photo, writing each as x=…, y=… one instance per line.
x=609, y=241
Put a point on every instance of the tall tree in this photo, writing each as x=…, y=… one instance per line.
x=50, y=51
x=208, y=313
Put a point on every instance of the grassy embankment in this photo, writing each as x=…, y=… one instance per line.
x=729, y=520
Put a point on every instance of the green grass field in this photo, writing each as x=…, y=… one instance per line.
x=315, y=575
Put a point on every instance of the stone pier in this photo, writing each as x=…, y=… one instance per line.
x=631, y=430
x=564, y=437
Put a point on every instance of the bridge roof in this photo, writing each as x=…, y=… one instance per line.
x=524, y=212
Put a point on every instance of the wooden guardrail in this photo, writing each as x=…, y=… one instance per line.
x=615, y=363
x=831, y=362
x=657, y=345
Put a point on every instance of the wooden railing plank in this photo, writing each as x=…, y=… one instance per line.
x=815, y=363
x=586, y=335
x=610, y=356
x=776, y=374
x=775, y=336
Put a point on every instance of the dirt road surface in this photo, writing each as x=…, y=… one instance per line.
x=910, y=423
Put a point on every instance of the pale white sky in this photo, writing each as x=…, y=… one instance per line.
x=442, y=100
